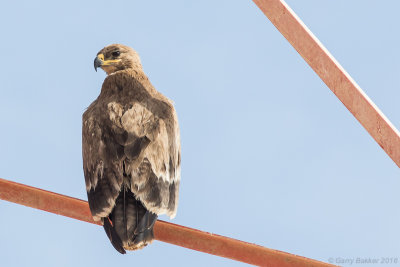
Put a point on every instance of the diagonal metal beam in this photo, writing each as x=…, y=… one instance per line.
x=333, y=75
x=163, y=231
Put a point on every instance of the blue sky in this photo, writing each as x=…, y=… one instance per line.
x=269, y=154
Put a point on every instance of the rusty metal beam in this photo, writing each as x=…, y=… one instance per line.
x=163, y=231
x=333, y=75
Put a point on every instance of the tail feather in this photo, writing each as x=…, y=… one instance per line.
x=132, y=224
x=144, y=231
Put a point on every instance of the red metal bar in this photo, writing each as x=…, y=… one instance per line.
x=163, y=231
x=333, y=75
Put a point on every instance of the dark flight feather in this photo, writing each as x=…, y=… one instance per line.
x=113, y=236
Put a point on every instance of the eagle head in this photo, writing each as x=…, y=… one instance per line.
x=117, y=57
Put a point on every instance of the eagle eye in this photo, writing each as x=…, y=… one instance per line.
x=116, y=53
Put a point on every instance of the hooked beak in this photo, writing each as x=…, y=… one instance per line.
x=100, y=62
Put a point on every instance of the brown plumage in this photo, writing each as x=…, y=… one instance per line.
x=131, y=151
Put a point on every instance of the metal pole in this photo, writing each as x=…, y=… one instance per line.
x=333, y=75
x=163, y=231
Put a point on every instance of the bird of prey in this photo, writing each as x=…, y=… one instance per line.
x=131, y=151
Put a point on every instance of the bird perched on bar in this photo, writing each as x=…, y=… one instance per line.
x=131, y=151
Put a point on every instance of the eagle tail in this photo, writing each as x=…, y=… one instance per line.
x=132, y=222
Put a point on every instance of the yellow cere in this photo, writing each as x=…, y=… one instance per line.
x=101, y=57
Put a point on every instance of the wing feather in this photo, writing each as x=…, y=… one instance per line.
x=133, y=141
x=152, y=180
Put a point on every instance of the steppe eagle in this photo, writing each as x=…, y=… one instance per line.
x=131, y=151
